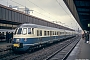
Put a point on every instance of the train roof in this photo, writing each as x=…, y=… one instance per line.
x=37, y=26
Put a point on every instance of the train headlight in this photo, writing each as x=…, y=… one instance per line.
x=17, y=40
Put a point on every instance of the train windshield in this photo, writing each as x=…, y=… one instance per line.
x=24, y=31
x=29, y=30
x=15, y=31
x=19, y=31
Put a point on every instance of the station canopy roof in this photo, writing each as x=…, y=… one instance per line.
x=83, y=9
x=80, y=9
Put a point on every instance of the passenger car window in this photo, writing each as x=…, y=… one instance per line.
x=45, y=33
x=40, y=32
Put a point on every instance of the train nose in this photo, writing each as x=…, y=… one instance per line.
x=17, y=40
x=18, y=45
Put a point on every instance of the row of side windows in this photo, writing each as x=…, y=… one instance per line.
x=39, y=32
x=47, y=33
x=52, y=33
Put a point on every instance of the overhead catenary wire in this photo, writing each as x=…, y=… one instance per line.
x=17, y=3
x=64, y=9
x=34, y=10
x=40, y=8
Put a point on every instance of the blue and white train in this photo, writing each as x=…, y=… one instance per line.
x=31, y=35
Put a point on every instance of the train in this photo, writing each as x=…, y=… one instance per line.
x=29, y=35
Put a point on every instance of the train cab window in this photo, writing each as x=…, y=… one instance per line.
x=15, y=31
x=19, y=31
x=24, y=31
x=29, y=30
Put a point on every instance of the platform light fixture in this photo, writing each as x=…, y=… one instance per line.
x=89, y=25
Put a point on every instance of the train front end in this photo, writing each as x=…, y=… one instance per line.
x=21, y=39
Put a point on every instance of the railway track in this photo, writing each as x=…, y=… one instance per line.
x=42, y=54
x=64, y=52
x=5, y=51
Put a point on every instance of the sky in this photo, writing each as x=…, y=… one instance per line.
x=51, y=10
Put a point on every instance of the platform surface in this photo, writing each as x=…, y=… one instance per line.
x=81, y=51
x=4, y=45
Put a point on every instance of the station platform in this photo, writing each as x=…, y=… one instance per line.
x=81, y=51
x=5, y=45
